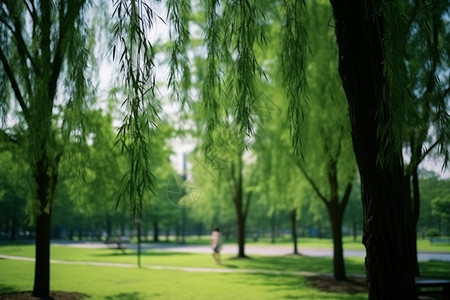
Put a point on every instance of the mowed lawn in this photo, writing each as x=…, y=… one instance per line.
x=168, y=275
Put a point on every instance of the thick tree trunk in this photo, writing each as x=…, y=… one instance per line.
x=387, y=215
x=42, y=265
x=293, y=217
x=46, y=175
x=336, y=217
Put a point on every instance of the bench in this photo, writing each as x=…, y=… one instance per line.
x=441, y=241
x=433, y=287
x=118, y=243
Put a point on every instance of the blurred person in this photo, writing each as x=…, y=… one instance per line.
x=216, y=244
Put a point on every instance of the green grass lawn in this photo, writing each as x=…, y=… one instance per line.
x=134, y=283
x=130, y=282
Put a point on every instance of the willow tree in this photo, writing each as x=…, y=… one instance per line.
x=371, y=38
x=44, y=89
x=371, y=41
x=328, y=161
x=429, y=85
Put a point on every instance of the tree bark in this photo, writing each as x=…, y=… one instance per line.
x=415, y=211
x=42, y=266
x=336, y=216
x=273, y=225
x=155, y=231
x=241, y=218
x=293, y=217
x=387, y=215
x=241, y=205
x=46, y=175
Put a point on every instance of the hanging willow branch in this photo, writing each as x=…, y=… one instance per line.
x=136, y=60
x=211, y=86
x=244, y=31
x=293, y=66
x=180, y=75
x=233, y=30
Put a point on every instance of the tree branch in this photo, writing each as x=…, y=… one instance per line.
x=312, y=183
x=32, y=10
x=22, y=47
x=14, y=85
x=429, y=149
x=247, y=203
x=24, y=54
x=4, y=136
x=346, y=196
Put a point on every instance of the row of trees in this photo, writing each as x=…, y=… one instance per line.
x=88, y=211
x=392, y=90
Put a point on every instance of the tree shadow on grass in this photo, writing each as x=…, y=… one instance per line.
x=125, y=296
x=7, y=289
x=302, y=287
x=11, y=293
x=290, y=263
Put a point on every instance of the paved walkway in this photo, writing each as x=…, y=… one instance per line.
x=252, y=249
x=267, y=250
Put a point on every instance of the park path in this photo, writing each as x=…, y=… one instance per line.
x=251, y=249
x=156, y=267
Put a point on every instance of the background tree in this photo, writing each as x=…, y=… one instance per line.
x=328, y=160
x=12, y=193
x=429, y=87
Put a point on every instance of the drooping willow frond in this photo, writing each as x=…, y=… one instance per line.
x=244, y=22
x=293, y=66
x=180, y=75
x=210, y=92
x=232, y=31
x=392, y=108
x=134, y=53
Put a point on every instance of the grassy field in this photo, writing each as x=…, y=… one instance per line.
x=423, y=245
x=162, y=277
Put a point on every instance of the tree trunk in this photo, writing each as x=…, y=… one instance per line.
x=155, y=231
x=240, y=206
x=336, y=216
x=293, y=217
x=108, y=227
x=273, y=226
x=42, y=265
x=241, y=220
x=387, y=215
x=13, y=227
x=415, y=219
x=45, y=176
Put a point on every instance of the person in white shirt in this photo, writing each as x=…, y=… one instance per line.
x=216, y=244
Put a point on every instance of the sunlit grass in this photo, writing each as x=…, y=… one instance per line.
x=201, y=282
x=423, y=245
x=197, y=260
x=134, y=283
